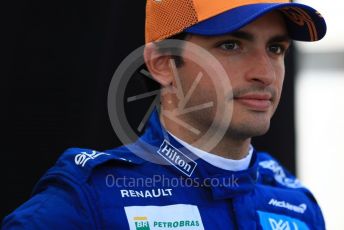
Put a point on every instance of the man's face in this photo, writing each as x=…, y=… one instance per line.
x=253, y=58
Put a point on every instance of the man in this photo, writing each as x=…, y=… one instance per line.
x=168, y=179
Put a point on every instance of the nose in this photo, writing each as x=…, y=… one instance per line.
x=260, y=69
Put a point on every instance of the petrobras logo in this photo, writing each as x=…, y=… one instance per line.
x=272, y=221
x=141, y=223
x=279, y=174
x=283, y=204
x=181, y=224
x=83, y=157
x=177, y=216
x=178, y=159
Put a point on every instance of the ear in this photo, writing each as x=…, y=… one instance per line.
x=158, y=64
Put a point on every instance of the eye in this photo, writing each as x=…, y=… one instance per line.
x=229, y=45
x=277, y=49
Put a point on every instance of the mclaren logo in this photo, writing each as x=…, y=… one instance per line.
x=283, y=204
x=177, y=158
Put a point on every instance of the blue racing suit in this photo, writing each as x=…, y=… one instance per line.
x=164, y=186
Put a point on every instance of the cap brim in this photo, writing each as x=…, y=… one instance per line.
x=303, y=22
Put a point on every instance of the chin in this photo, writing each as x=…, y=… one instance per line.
x=248, y=130
x=259, y=132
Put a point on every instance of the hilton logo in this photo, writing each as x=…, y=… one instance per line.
x=177, y=158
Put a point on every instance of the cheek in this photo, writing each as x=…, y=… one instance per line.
x=197, y=85
x=280, y=73
x=278, y=83
x=235, y=68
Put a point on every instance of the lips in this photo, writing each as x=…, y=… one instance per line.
x=257, y=102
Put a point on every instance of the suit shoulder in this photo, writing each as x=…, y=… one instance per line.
x=273, y=173
x=77, y=164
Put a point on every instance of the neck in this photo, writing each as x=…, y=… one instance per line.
x=228, y=147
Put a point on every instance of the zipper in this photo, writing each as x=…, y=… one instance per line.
x=232, y=213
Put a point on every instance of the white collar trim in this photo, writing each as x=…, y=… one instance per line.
x=217, y=161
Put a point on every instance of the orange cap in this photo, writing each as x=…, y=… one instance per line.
x=165, y=18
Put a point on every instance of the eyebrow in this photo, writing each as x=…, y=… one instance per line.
x=250, y=37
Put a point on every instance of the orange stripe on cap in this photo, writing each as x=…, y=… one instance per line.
x=301, y=18
x=208, y=8
x=310, y=24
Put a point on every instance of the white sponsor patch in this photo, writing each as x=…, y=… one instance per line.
x=178, y=216
x=178, y=159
